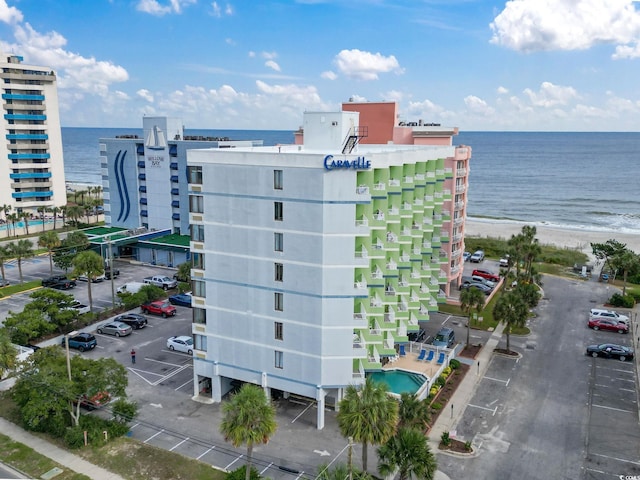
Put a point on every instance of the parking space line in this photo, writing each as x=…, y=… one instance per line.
x=625, y=379
x=611, y=408
x=154, y=435
x=203, y=454
x=160, y=361
x=506, y=382
x=266, y=468
x=227, y=467
x=178, y=444
x=302, y=412
x=494, y=410
x=628, y=390
x=185, y=383
x=615, y=458
x=175, y=372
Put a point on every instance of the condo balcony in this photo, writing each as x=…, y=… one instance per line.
x=419, y=176
x=460, y=188
x=389, y=291
x=380, y=187
x=362, y=223
x=394, y=182
x=378, y=216
x=461, y=172
x=408, y=179
x=394, y=211
x=362, y=190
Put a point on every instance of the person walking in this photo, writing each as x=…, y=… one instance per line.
x=133, y=356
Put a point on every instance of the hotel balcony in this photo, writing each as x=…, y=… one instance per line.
x=448, y=172
x=461, y=188
x=389, y=291
x=377, y=274
x=394, y=182
x=419, y=177
x=454, y=270
x=431, y=177
x=360, y=318
x=362, y=257
x=379, y=187
x=362, y=190
x=461, y=172
x=459, y=205
x=362, y=224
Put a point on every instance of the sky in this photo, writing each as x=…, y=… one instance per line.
x=519, y=65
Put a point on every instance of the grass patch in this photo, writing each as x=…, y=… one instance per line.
x=20, y=287
x=520, y=331
x=487, y=314
x=28, y=461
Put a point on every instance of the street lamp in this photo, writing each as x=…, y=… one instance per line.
x=66, y=342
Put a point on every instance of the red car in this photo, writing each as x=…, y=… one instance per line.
x=159, y=307
x=606, y=324
x=486, y=274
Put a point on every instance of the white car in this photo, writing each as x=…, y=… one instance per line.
x=95, y=279
x=182, y=343
x=610, y=314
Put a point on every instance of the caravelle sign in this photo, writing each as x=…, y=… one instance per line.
x=359, y=163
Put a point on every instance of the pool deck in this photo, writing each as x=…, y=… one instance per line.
x=411, y=363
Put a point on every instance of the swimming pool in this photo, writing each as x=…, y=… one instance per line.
x=400, y=381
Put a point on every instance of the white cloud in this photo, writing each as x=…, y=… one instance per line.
x=551, y=95
x=251, y=54
x=269, y=55
x=627, y=51
x=357, y=98
x=272, y=65
x=120, y=95
x=154, y=7
x=393, y=95
x=217, y=11
x=329, y=75
x=502, y=90
x=9, y=14
x=533, y=25
x=477, y=106
x=365, y=65
x=145, y=94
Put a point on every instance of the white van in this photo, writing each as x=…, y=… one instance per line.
x=610, y=314
x=131, y=287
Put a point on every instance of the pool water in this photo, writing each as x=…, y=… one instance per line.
x=400, y=381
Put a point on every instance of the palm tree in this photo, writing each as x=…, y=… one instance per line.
x=512, y=310
x=5, y=254
x=471, y=299
x=627, y=262
x=368, y=415
x=413, y=412
x=42, y=210
x=21, y=249
x=75, y=213
x=249, y=418
x=89, y=264
x=50, y=241
x=13, y=218
x=7, y=353
x=24, y=216
x=63, y=214
x=409, y=454
x=5, y=210
x=55, y=211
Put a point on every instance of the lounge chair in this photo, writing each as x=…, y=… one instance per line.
x=423, y=353
x=402, y=352
x=430, y=356
x=441, y=358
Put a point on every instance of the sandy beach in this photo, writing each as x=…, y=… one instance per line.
x=579, y=239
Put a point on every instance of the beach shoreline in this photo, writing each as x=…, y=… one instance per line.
x=562, y=237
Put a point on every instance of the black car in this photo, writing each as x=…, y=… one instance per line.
x=134, y=320
x=610, y=350
x=59, y=282
x=107, y=272
x=480, y=286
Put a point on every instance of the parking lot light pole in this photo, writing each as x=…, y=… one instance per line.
x=111, y=267
x=66, y=343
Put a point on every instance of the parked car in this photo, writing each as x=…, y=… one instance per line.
x=81, y=308
x=82, y=341
x=466, y=256
x=131, y=287
x=610, y=350
x=134, y=320
x=119, y=329
x=504, y=261
x=610, y=314
x=181, y=343
x=607, y=324
x=94, y=279
x=485, y=281
x=486, y=274
x=107, y=272
x=159, y=307
x=446, y=337
x=161, y=281
x=182, y=299
x=59, y=282
x=97, y=400
x=477, y=256
x=479, y=286
x=4, y=282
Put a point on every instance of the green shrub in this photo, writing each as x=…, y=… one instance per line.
x=441, y=380
x=467, y=445
x=436, y=406
x=454, y=364
x=618, y=300
x=446, y=371
x=434, y=390
x=124, y=411
x=239, y=474
x=445, y=439
x=74, y=437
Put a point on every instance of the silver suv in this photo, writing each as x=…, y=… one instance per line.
x=610, y=314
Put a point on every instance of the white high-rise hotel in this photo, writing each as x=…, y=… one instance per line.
x=32, y=168
x=312, y=262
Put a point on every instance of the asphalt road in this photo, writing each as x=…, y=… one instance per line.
x=554, y=412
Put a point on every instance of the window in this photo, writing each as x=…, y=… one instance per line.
x=277, y=179
x=277, y=211
x=200, y=342
x=278, y=302
x=195, y=175
x=278, y=242
x=278, y=330
x=279, y=359
x=197, y=233
x=279, y=271
x=197, y=260
x=200, y=316
x=196, y=203
x=199, y=288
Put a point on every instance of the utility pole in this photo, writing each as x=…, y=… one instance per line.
x=112, y=270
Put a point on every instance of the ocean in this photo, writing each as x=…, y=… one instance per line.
x=571, y=180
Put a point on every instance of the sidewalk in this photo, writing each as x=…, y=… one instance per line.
x=66, y=459
x=465, y=391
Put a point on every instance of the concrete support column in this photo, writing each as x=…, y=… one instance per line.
x=320, y=394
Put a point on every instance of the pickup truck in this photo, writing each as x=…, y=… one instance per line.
x=107, y=272
x=59, y=282
x=159, y=307
x=161, y=281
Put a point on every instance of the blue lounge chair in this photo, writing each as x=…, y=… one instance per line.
x=423, y=353
x=441, y=358
x=402, y=352
x=430, y=356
